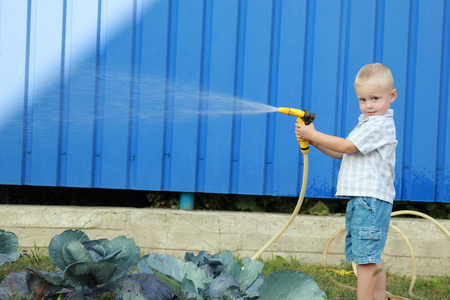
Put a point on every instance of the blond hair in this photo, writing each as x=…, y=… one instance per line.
x=375, y=74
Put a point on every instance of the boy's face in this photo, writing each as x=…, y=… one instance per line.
x=374, y=99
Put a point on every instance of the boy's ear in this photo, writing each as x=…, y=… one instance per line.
x=393, y=95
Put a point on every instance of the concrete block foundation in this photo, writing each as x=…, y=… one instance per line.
x=176, y=232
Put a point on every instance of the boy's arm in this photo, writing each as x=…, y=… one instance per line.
x=328, y=152
x=330, y=145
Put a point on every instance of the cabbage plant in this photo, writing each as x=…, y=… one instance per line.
x=92, y=263
x=9, y=246
x=91, y=267
x=221, y=276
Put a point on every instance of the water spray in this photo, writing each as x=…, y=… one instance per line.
x=306, y=118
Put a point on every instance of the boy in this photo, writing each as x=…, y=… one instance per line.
x=366, y=175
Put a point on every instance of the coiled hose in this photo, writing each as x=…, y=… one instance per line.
x=411, y=251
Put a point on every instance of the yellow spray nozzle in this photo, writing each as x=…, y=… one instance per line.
x=303, y=117
x=291, y=111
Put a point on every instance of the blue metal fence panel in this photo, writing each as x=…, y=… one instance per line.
x=220, y=68
x=151, y=65
x=181, y=142
x=148, y=94
x=43, y=107
x=80, y=88
x=12, y=78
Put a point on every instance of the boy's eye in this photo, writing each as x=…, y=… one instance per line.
x=362, y=99
x=375, y=98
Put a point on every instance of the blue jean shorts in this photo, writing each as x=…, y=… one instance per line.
x=367, y=221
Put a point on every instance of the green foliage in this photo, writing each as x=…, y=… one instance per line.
x=9, y=246
x=335, y=286
x=39, y=260
x=89, y=263
x=252, y=203
x=221, y=276
x=88, y=267
x=163, y=200
x=272, y=289
x=93, y=267
x=433, y=209
x=319, y=209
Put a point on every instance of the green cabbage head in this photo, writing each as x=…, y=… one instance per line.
x=89, y=263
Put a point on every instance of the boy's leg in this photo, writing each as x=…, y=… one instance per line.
x=366, y=282
x=380, y=288
x=366, y=237
x=371, y=282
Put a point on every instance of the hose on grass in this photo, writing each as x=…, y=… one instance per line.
x=414, y=266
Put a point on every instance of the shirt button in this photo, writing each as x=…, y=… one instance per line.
x=371, y=235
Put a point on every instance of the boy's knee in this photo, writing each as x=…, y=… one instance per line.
x=367, y=266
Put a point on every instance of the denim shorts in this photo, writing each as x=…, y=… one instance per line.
x=367, y=221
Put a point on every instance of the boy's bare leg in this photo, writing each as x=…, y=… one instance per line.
x=366, y=281
x=380, y=288
x=371, y=282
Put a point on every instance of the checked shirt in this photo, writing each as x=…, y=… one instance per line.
x=370, y=172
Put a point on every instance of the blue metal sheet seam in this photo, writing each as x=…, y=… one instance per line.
x=28, y=95
x=305, y=101
x=202, y=156
x=168, y=106
x=99, y=99
x=379, y=30
x=238, y=92
x=135, y=73
x=341, y=91
x=275, y=37
x=64, y=98
x=444, y=97
x=410, y=96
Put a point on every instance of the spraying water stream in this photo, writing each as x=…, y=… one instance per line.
x=117, y=96
x=89, y=98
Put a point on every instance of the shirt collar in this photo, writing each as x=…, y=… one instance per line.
x=364, y=118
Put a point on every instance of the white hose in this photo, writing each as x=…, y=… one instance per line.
x=296, y=210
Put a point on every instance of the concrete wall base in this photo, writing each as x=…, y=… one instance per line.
x=176, y=232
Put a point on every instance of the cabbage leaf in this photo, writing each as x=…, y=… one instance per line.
x=9, y=246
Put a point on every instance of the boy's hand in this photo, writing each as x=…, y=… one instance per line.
x=303, y=131
x=332, y=146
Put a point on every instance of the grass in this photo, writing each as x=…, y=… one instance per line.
x=336, y=287
x=339, y=287
x=36, y=258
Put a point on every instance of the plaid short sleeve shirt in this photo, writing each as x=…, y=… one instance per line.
x=370, y=172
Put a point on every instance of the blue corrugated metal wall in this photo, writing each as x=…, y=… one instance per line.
x=108, y=93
